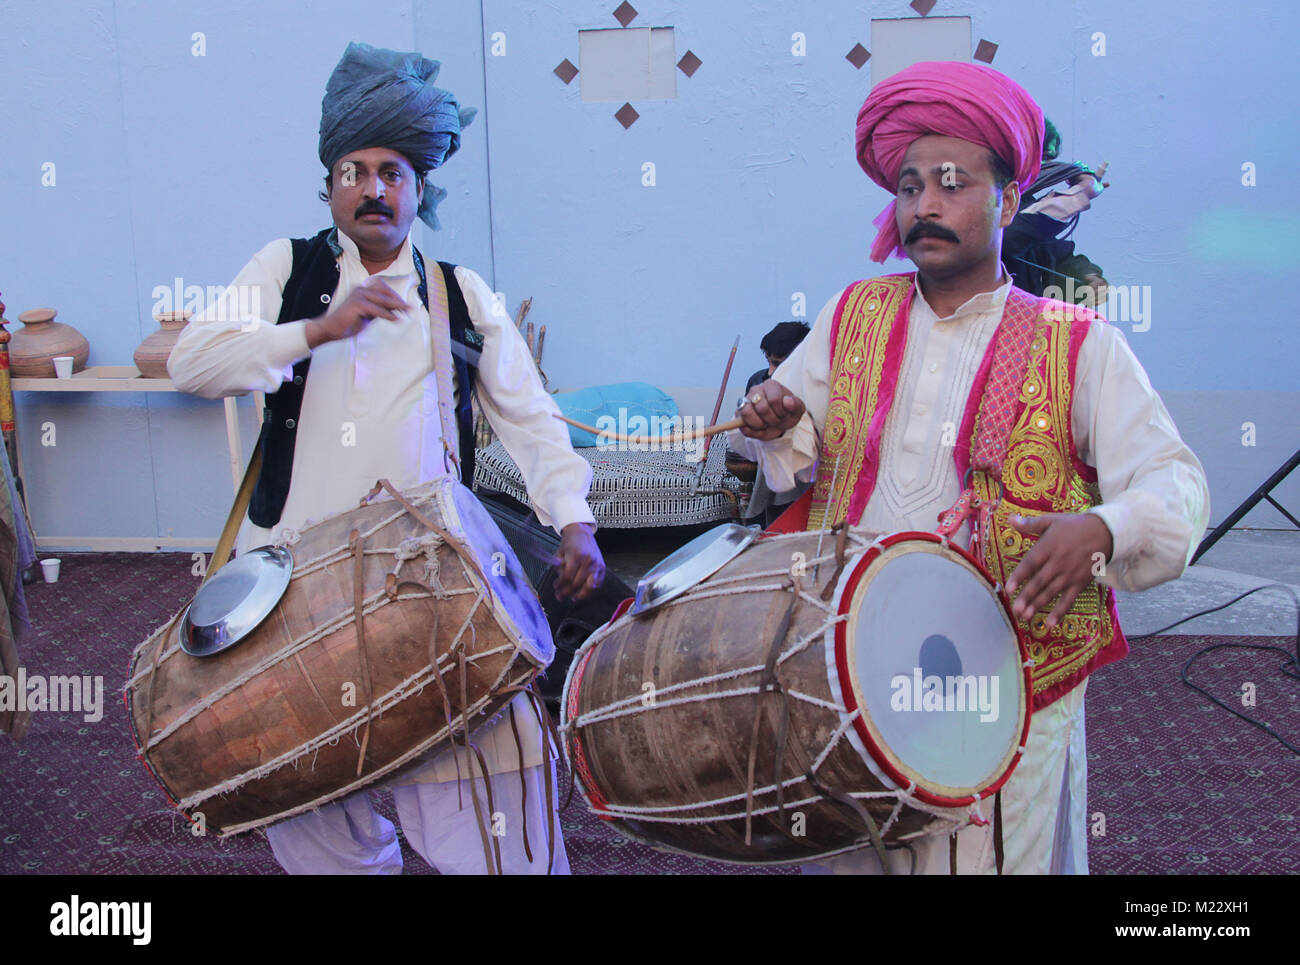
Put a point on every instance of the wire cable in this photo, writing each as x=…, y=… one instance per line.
x=1292, y=660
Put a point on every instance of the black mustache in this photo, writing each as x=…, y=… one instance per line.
x=374, y=207
x=928, y=229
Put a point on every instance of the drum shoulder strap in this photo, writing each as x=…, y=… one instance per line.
x=467, y=344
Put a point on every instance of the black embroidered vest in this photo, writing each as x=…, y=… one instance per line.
x=311, y=285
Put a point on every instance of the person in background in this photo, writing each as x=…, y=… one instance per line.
x=764, y=504
x=1036, y=247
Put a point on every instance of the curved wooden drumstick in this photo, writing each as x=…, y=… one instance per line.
x=658, y=440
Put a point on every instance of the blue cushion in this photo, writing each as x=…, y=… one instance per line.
x=635, y=408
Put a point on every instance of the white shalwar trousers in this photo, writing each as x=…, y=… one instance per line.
x=1044, y=811
x=349, y=837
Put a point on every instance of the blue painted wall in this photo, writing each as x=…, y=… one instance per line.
x=169, y=164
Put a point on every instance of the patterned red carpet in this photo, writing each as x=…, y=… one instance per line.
x=1182, y=786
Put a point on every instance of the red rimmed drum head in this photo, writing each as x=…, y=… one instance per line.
x=929, y=654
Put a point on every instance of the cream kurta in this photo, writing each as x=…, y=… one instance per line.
x=371, y=410
x=1156, y=505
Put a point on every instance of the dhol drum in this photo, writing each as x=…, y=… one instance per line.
x=795, y=705
x=406, y=622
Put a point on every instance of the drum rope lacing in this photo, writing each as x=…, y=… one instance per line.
x=357, y=544
x=410, y=548
x=286, y=537
x=370, y=605
x=497, y=688
x=635, y=703
x=412, y=684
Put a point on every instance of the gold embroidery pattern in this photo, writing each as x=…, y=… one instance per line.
x=857, y=370
x=1038, y=477
x=1034, y=470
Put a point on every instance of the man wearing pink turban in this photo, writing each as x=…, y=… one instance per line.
x=1026, y=423
x=966, y=101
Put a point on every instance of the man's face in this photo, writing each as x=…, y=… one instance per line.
x=374, y=195
x=950, y=213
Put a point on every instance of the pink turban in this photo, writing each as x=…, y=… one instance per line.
x=967, y=101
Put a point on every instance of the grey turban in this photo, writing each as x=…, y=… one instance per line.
x=384, y=98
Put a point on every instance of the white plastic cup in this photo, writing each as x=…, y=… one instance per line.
x=51, y=570
x=63, y=369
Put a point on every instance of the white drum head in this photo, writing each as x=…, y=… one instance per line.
x=521, y=612
x=930, y=655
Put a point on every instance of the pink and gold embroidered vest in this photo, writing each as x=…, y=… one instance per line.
x=1015, y=440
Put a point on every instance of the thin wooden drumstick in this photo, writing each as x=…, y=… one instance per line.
x=717, y=407
x=676, y=437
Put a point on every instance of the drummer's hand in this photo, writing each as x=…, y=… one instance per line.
x=582, y=568
x=769, y=411
x=1060, y=562
x=372, y=299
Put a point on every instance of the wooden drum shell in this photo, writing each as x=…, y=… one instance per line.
x=677, y=755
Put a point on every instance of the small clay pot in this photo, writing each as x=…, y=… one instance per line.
x=33, y=347
x=151, y=357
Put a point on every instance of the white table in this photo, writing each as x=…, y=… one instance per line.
x=127, y=378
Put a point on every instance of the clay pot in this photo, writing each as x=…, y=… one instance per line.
x=151, y=357
x=33, y=347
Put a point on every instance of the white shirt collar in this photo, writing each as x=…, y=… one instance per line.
x=975, y=305
x=403, y=266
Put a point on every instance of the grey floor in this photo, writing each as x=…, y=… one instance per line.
x=1240, y=561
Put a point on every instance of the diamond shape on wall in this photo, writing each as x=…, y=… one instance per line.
x=566, y=71
x=858, y=56
x=626, y=116
x=689, y=64
x=922, y=7
x=986, y=51
x=625, y=13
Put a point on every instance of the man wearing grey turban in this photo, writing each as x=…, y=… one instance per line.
x=384, y=98
x=395, y=352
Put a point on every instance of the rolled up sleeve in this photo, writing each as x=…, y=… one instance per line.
x=791, y=459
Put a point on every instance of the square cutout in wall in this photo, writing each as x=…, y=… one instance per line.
x=898, y=44
x=630, y=64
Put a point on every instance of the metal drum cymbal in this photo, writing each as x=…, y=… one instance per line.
x=696, y=561
x=236, y=600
